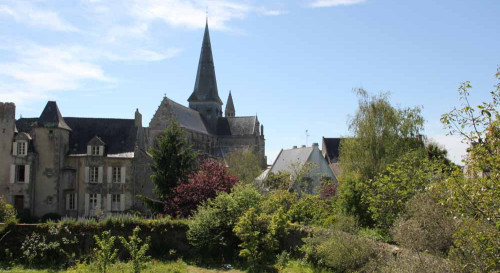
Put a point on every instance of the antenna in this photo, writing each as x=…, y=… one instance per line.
x=307, y=136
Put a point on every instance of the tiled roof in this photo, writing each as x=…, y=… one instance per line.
x=236, y=126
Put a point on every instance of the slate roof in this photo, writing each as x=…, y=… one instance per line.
x=332, y=146
x=52, y=118
x=236, y=126
x=230, y=104
x=118, y=134
x=205, y=87
x=187, y=117
x=288, y=157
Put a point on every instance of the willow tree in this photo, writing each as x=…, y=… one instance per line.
x=381, y=133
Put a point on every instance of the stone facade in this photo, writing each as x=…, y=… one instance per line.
x=81, y=167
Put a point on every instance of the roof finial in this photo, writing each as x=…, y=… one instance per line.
x=206, y=15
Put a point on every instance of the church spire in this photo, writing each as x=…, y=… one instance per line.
x=230, y=112
x=205, y=86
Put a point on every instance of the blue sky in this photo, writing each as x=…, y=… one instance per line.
x=294, y=63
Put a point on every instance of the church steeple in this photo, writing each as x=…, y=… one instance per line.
x=205, y=86
x=205, y=97
x=230, y=112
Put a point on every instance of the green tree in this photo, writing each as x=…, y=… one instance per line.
x=474, y=198
x=105, y=251
x=244, y=164
x=381, y=134
x=7, y=211
x=173, y=161
x=136, y=249
x=386, y=195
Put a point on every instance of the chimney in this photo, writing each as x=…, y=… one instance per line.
x=138, y=119
x=294, y=147
x=303, y=146
x=315, y=144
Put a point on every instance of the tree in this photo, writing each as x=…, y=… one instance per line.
x=173, y=161
x=381, y=134
x=105, y=251
x=473, y=198
x=136, y=249
x=244, y=164
x=386, y=195
x=204, y=184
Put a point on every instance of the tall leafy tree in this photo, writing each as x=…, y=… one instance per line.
x=381, y=133
x=173, y=161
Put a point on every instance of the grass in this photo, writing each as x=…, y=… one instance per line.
x=153, y=267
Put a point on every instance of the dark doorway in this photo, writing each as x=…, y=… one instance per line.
x=19, y=202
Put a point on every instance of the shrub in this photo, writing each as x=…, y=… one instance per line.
x=7, y=211
x=337, y=250
x=310, y=210
x=211, y=227
x=258, y=241
x=210, y=179
x=105, y=252
x=137, y=251
x=279, y=199
x=425, y=226
x=345, y=223
x=50, y=217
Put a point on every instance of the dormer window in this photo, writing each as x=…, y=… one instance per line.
x=95, y=147
x=20, y=148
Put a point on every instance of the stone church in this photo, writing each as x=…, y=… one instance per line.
x=83, y=167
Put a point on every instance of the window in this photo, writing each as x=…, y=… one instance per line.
x=92, y=201
x=95, y=150
x=93, y=174
x=116, y=175
x=71, y=201
x=22, y=148
x=115, y=202
x=20, y=173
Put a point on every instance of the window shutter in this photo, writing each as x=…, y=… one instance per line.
x=26, y=174
x=123, y=174
x=101, y=150
x=89, y=150
x=67, y=201
x=99, y=174
x=110, y=174
x=108, y=202
x=99, y=201
x=87, y=174
x=26, y=145
x=122, y=202
x=14, y=148
x=12, y=173
x=86, y=204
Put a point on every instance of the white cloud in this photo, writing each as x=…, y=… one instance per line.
x=38, y=70
x=190, y=14
x=272, y=12
x=333, y=3
x=26, y=13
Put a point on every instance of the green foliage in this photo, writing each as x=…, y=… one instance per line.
x=173, y=161
x=7, y=211
x=425, y=227
x=258, y=242
x=278, y=181
x=47, y=251
x=105, y=252
x=137, y=251
x=337, y=250
x=476, y=246
x=342, y=222
x=310, y=210
x=244, y=164
x=381, y=134
x=211, y=227
x=387, y=194
x=279, y=199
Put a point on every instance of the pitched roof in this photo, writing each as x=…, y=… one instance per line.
x=52, y=118
x=287, y=158
x=187, y=117
x=205, y=86
x=332, y=146
x=118, y=134
x=236, y=126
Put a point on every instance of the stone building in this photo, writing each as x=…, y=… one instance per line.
x=80, y=167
